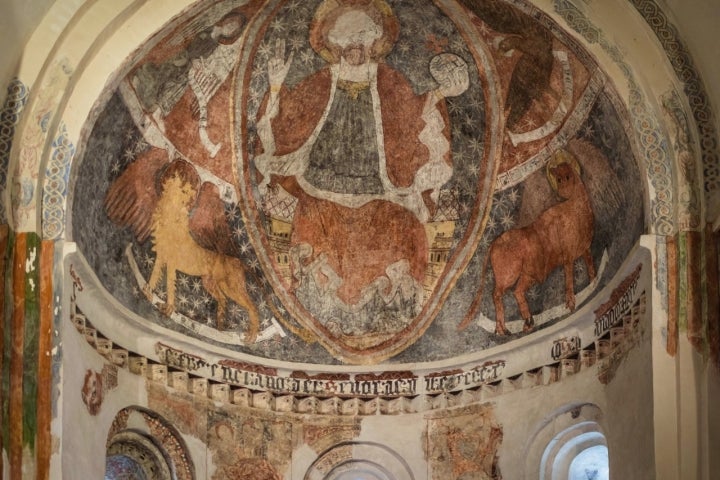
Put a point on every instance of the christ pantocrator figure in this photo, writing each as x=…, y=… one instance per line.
x=362, y=152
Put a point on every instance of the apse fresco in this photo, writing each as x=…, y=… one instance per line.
x=357, y=181
x=464, y=444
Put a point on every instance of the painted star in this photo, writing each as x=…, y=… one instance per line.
x=454, y=107
x=491, y=224
x=307, y=57
x=264, y=50
x=141, y=145
x=297, y=43
x=588, y=131
x=477, y=145
x=293, y=7
x=129, y=154
x=278, y=26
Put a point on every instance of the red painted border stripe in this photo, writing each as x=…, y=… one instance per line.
x=695, y=321
x=4, y=233
x=712, y=292
x=44, y=397
x=17, y=333
x=672, y=286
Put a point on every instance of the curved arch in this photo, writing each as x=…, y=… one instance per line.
x=559, y=427
x=128, y=27
x=137, y=429
x=594, y=459
x=74, y=71
x=144, y=450
x=345, y=457
x=359, y=469
x=567, y=445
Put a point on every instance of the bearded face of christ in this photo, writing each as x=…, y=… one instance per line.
x=355, y=33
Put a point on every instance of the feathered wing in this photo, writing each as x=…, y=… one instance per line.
x=130, y=201
x=500, y=16
x=603, y=185
x=531, y=76
x=208, y=224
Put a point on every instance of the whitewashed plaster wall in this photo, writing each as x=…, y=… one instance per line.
x=18, y=20
x=84, y=437
x=697, y=22
x=626, y=416
x=628, y=407
x=84, y=444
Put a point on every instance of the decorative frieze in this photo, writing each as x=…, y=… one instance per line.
x=618, y=327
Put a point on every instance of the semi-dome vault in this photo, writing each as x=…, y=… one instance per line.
x=384, y=183
x=334, y=209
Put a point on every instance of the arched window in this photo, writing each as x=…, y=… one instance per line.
x=577, y=453
x=569, y=445
x=590, y=464
x=142, y=445
x=133, y=452
x=123, y=467
x=359, y=461
x=360, y=470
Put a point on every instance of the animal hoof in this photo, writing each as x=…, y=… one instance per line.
x=464, y=324
x=250, y=337
x=570, y=303
x=167, y=309
x=147, y=291
x=529, y=324
x=501, y=330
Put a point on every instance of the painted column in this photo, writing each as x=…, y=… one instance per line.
x=4, y=237
x=27, y=372
x=685, y=421
x=44, y=377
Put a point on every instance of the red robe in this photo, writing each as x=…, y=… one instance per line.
x=359, y=243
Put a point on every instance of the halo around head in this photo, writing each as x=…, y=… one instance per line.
x=330, y=10
x=558, y=158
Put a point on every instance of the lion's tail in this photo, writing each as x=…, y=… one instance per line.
x=238, y=266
